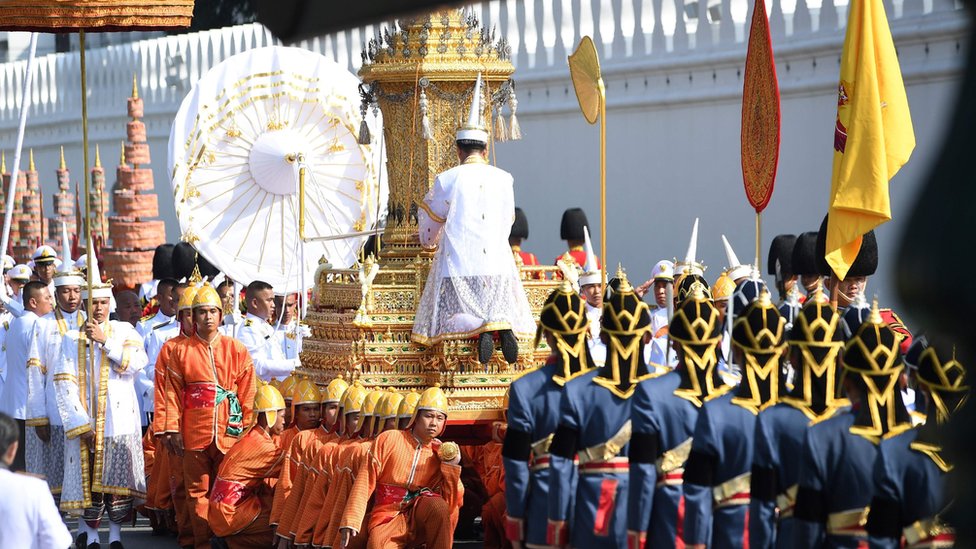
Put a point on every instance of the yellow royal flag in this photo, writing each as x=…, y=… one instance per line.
x=873, y=136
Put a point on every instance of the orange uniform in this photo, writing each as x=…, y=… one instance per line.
x=167, y=475
x=240, y=501
x=296, y=478
x=417, y=497
x=209, y=400
x=345, y=461
x=488, y=463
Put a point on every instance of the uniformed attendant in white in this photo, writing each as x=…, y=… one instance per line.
x=167, y=308
x=473, y=288
x=258, y=335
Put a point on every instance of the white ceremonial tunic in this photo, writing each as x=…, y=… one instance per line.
x=473, y=285
x=146, y=382
x=145, y=325
x=103, y=400
x=13, y=400
x=291, y=345
x=598, y=349
x=5, y=319
x=47, y=458
x=656, y=352
x=265, y=349
x=30, y=518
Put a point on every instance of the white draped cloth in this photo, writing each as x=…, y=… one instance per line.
x=473, y=285
x=47, y=458
x=102, y=399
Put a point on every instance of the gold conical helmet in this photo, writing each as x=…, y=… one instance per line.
x=268, y=400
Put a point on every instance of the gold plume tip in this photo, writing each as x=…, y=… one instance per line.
x=764, y=300
x=98, y=157
x=625, y=286
x=697, y=292
x=566, y=287
x=875, y=317
x=63, y=165
x=135, y=87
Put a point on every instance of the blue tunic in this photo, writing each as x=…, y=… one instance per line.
x=778, y=446
x=909, y=480
x=533, y=406
x=591, y=415
x=655, y=503
x=836, y=476
x=721, y=457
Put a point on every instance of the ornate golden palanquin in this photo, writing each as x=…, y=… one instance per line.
x=420, y=74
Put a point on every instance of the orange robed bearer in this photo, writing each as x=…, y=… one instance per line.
x=414, y=481
x=209, y=401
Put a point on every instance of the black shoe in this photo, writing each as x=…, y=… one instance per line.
x=115, y=545
x=509, y=346
x=486, y=347
x=81, y=542
x=97, y=545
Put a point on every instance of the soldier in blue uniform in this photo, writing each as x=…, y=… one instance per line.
x=780, y=266
x=595, y=425
x=911, y=476
x=717, y=477
x=815, y=344
x=836, y=469
x=533, y=415
x=663, y=413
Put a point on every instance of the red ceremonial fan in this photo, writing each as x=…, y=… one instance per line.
x=760, y=116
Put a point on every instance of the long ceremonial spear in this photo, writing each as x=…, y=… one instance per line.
x=584, y=69
x=760, y=119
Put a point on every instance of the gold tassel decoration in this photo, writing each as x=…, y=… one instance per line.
x=515, y=131
x=501, y=129
x=364, y=137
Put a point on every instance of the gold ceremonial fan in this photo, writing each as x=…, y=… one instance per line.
x=584, y=69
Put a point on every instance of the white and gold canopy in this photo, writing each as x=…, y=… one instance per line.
x=236, y=147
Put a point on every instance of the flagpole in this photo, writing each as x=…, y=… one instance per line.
x=759, y=241
x=24, y=104
x=603, y=181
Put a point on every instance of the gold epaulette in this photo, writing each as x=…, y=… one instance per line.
x=146, y=318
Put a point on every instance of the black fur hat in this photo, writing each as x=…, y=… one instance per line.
x=207, y=269
x=866, y=262
x=571, y=228
x=781, y=250
x=804, y=257
x=520, y=227
x=162, y=264
x=184, y=259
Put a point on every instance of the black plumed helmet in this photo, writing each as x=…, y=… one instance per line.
x=184, y=259
x=520, y=227
x=781, y=250
x=571, y=228
x=866, y=262
x=804, y=258
x=162, y=264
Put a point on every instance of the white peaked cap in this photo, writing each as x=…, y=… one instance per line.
x=67, y=275
x=736, y=269
x=474, y=129
x=20, y=272
x=591, y=269
x=98, y=288
x=663, y=270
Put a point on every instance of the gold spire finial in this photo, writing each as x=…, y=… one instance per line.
x=135, y=87
x=624, y=283
x=122, y=153
x=98, y=157
x=63, y=165
x=3, y=161
x=195, y=277
x=32, y=168
x=875, y=317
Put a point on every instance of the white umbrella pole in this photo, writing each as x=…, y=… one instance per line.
x=24, y=104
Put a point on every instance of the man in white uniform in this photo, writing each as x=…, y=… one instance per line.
x=22, y=335
x=30, y=518
x=95, y=384
x=45, y=441
x=286, y=306
x=258, y=335
x=167, y=307
x=473, y=288
x=591, y=290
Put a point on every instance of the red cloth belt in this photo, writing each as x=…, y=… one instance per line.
x=671, y=479
x=389, y=494
x=199, y=395
x=228, y=491
x=946, y=539
x=618, y=465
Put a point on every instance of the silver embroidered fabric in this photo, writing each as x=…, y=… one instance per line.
x=460, y=307
x=46, y=459
x=124, y=465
